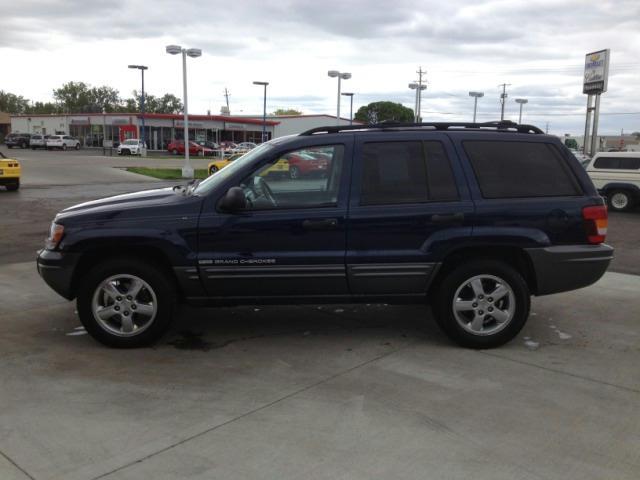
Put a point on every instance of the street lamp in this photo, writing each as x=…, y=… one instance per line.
x=418, y=87
x=187, y=170
x=350, y=95
x=341, y=76
x=521, y=101
x=264, y=110
x=142, y=68
x=476, y=96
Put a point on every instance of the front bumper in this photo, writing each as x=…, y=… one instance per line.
x=568, y=267
x=56, y=269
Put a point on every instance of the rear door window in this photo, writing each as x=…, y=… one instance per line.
x=399, y=172
x=520, y=169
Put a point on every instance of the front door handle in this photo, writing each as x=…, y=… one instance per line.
x=448, y=218
x=324, y=224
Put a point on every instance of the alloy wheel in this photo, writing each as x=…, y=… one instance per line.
x=484, y=305
x=124, y=305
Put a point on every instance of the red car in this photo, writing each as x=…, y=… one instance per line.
x=307, y=162
x=177, y=147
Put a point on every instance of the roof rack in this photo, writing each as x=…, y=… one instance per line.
x=505, y=125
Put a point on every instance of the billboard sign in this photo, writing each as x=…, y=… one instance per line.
x=596, y=72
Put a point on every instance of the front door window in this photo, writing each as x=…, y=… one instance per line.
x=305, y=178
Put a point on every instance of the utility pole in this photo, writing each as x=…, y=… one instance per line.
x=546, y=130
x=503, y=99
x=226, y=96
x=418, y=87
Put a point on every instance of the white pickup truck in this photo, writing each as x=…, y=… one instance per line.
x=616, y=175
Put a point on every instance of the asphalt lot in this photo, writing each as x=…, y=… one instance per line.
x=349, y=392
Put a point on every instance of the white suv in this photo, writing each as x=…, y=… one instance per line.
x=616, y=175
x=62, y=142
x=133, y=146
x=38, y=141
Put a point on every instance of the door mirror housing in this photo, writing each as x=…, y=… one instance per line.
x=234, y=200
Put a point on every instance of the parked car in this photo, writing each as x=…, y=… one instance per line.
x=280, y=167
x=63, y=142
x=177, y=147
x=20, y=140
x=9, y=173
x=208, y=144
x=412, y=214
x=38, y=141
x=131, y=146
x=307, y=162
x=616, y=175
x=244, y=147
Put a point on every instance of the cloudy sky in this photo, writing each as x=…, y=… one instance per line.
x=537, y=47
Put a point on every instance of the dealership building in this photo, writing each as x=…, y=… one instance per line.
x=97, y=129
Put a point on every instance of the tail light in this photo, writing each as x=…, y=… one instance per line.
x=595, y=223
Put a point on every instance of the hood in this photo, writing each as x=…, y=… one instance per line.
x=146, y=198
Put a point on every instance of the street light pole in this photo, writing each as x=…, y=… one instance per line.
x=418, y=87
x=264, y=110
x=521, y=101
x=142, y=68
x=476, y=96
x=341, y=76
x=187, y=170
x=350, y=95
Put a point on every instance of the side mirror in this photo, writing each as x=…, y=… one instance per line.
x=234, y=200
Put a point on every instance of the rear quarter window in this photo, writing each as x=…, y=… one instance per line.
x=520, y=169
x=617, y=163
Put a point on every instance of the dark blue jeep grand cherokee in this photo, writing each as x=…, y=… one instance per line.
x=472, y=218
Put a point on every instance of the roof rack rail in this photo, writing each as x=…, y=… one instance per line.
x=504, y=125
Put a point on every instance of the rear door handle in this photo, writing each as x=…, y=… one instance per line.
x=324, y=224
x=448, y=218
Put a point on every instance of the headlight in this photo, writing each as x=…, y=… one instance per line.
x=56, y=232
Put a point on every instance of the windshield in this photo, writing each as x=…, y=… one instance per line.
x=222, y=175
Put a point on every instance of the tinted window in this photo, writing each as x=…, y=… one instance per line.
x=616, y=163
x=520, y=169
x=442, y=184
x=406, y=172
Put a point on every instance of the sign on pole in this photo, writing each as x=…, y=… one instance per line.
x=596, y=72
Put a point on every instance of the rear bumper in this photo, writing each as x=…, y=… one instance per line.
x=56, y=269
x=568, y=267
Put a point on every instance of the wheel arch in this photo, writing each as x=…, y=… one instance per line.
x=513, y=256
x=149, y=253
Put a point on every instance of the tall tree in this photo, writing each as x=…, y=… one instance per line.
x=104, y=98
x=287, y=111
x=74, y=97
x=11, y=103
x=377, y=112
x=168, y=103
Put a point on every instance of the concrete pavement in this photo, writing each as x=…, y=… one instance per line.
x=352, y=392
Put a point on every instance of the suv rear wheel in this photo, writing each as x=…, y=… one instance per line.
x=482, y=304
x=126, y=303
x=619, y=200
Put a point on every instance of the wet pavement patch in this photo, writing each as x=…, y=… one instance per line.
x=192, y=341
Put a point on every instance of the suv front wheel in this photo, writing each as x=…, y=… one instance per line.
x=482, y=304
x=126, y=303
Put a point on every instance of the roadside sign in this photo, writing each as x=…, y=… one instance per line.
x=596, y=72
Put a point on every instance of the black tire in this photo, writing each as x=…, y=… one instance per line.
x=620, y=200
x=174, y=151
x=77, y=147
x=12, y=187
x=64, y=147
x=23, y=145
x=33, y=148
x=294, y=172
x=9, y=146
x=159, y=281
x=459, y=276
x=213, y=169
